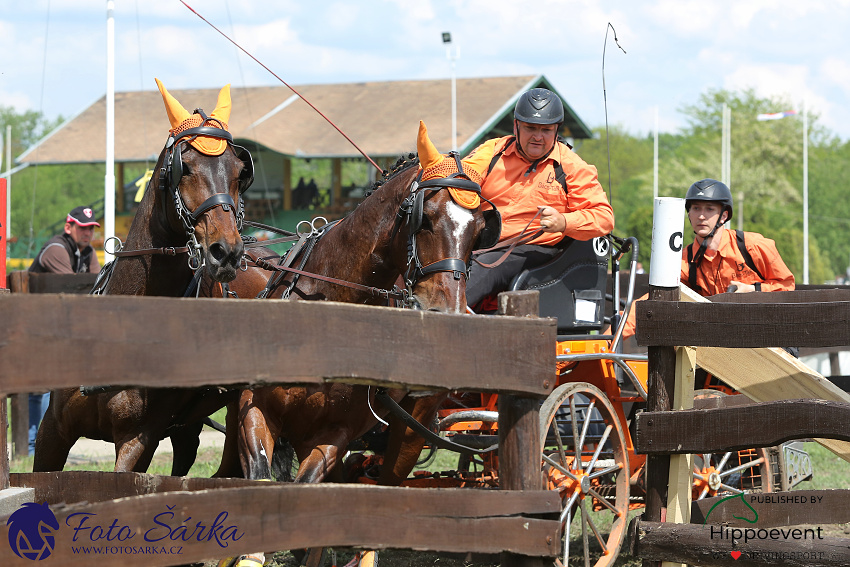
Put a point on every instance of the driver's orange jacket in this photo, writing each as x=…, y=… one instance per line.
x=718, y=269
x=517, y=189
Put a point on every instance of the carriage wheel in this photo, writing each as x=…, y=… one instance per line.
x=747, y=470
x=585, y=459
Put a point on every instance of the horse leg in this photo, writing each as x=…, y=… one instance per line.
x=51, y=446
x=185, y=441
x=405, y=445
x=134, y=453
x=325, y=457
x=229, y=466
x=256, y=442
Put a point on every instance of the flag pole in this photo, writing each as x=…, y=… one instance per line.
x=109, y=178
x=805, y=193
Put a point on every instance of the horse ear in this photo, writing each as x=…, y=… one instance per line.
x=176, y=113
x=222, y=107
x=428, y=154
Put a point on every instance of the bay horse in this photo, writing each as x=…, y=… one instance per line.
x=420, y=224
x=187, y=224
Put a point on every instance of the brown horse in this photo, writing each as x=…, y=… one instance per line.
x=193, y=198
x=415, y=225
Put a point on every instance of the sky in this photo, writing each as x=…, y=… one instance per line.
x=54, y=51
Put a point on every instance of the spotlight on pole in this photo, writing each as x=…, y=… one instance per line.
x=447, y=41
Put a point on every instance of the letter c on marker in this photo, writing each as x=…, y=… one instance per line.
x=673, y=246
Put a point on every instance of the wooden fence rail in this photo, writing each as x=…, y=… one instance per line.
x=169, y=342
x=757, y=322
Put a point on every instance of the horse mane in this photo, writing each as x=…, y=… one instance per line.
x=403, y=163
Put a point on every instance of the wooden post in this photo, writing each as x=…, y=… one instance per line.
x=120, y=201
x=4, y=454
x=20, y=424
x=519, y=428
x=661, y=377
x=287, y=184
x=681, y=466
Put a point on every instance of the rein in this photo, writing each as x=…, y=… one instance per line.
x=376, y=291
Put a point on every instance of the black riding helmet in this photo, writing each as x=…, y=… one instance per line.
x=539, y=106
x=710, y=190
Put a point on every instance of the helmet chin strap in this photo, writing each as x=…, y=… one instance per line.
x=698, y=256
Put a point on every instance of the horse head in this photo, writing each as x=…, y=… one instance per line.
x=199, y=186
x=447, y=222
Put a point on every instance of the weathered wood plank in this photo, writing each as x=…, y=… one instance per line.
x=743, y=325
x=300, y=516
x=60, y=283
x=157, y=341
x=694, y=545
x=730, y=429
x=769, y=374
x=811, y=507
x=98, y=486
x=823, y=295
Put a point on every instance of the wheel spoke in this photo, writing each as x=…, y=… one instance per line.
x=584, y=538
x=575, y=430
x=703, y=493
x=586, y=423
x=594, y=528
x=604, y=502
x=562, y=453
x=743, y=467
x=731, y=489
x=723, y=462
x=599, y=446
x=596, y=474
x=558, y=466
x=565, y=513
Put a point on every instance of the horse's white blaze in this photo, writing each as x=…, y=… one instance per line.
x=461, y=217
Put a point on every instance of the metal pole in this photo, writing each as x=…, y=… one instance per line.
x=453, y=58
x=109, y=181
x=805, y=193
x=8, y=182
x=655, y=160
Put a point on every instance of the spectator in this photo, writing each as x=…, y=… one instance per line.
x=68, y=253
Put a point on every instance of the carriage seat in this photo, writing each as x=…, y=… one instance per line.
x=572, y=286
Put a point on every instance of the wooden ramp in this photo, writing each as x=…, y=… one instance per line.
x=769, y=374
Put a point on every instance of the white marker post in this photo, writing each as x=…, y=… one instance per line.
x=668, y=222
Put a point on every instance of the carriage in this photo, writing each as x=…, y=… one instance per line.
x=586, y=438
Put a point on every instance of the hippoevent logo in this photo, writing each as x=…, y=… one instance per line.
x=33, y=529
x=746, y=535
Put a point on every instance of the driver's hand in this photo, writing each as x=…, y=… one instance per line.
x=742, y=287
x=552, y=220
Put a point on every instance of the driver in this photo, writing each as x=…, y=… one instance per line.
x=534, y=177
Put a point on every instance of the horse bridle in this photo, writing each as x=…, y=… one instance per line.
x=412, y=209
x=169, y=178
x=171, y=173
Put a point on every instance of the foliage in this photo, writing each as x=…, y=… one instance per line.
x=766, y=170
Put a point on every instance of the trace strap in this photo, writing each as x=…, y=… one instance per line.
x=385, y=293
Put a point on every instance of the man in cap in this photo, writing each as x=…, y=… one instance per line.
x=534, y=177
x=68, y=253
